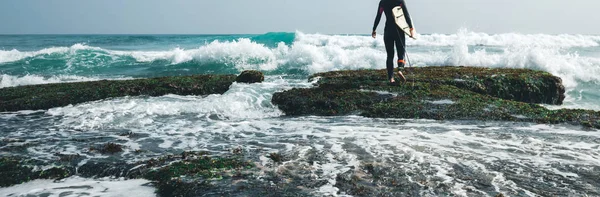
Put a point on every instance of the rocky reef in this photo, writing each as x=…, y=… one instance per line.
x=440, y=93
x=289, y=174
x=185, y=174
x=46, y=96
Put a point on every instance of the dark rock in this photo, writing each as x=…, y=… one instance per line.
x=57, y=173
x=276, y=157
x=324, y=101
x=441, y=93
x=250, y=76
x=205, y=167
x=17, y=170
x=180, y=187
x=523, y=85
x=108, y=148
x=196, y=165
x=68, y=158
x=94, y=169
x=46, y=96
x=12, y=172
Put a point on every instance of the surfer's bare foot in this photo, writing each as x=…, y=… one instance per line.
x=392, y=80
x=402, y=76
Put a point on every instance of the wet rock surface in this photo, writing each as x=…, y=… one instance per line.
x=301, y=174
x=440, y=93
x=250, y=76
x=187, y=174
x=46, y=96
x=341, y=155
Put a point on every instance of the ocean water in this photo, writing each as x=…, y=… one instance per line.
x=244, y=116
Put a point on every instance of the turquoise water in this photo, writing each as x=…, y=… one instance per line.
x=117, y=56
x=244, y=116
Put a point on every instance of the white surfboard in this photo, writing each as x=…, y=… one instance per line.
x=401, y=20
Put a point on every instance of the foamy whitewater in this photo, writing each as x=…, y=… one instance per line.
x=508, y=157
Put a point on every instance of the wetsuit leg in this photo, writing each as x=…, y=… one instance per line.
x=389, y=39
x=400, y=47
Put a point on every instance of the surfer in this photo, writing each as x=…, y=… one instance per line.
x=393, y=34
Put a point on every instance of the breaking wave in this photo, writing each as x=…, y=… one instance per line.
x=300, y=53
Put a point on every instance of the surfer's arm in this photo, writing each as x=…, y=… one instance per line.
x=378, y=17
x=407, y=15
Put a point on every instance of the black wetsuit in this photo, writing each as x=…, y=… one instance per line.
x=392, y=32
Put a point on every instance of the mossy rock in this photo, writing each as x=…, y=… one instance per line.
x=524, y=85
x=12, y=172
x=441, y=93
x=15, y=170
x=164, y=170
x=46, y=96
x=204, y=167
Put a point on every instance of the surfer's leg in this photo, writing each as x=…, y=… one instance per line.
x=389, y=48
x=399, y=40
x=400, y=47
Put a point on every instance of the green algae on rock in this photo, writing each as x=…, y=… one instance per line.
x=196, y=174
x=441, y=93
x=514, y=84
x=173, y=174
x=46, y=96
x=185, y=174
x=16, y=171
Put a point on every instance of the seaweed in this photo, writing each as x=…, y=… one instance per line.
x=46, y=96
x=440, y=93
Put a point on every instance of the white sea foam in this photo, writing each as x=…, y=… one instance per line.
x=420, y=147
x=77, y=186
x=10, y=81
x=241, y=54
x=241, y=101
x=463, y=35
x=509, y=39
x=244, y=48
x=15, y=55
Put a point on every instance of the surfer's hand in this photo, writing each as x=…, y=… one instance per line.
x=374, y=34
x=412, y=32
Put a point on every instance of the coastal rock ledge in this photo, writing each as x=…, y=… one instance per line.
x=46, y=96
x=440, y=93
